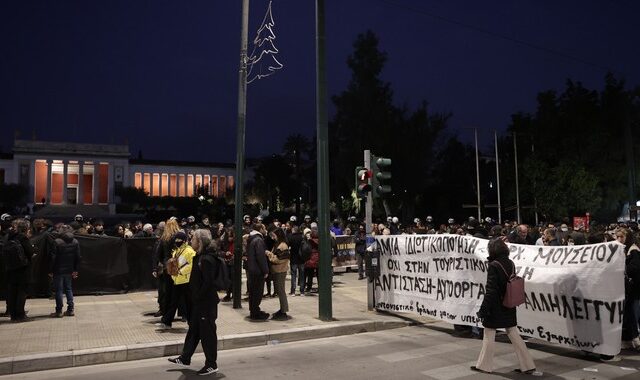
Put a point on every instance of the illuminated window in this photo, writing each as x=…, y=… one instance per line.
x=190, y=185
x=137, y=181
x=198, y=182
x=146, y=182
x=174, y=186
x=214, y=186
x=182, y=186
x=156, y=185
x=223, y=186
x=165, y=185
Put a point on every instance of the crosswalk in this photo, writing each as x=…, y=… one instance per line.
x=435, y=354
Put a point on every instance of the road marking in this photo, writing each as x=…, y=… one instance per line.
x=420, y=352
x=461, y=370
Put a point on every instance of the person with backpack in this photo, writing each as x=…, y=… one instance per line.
x=179, y=267
x=494, y=314
x=17, y=252
x=208, y=276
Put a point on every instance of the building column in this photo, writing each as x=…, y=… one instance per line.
x=193, y=184
x=94, y=182
x=65, y=180
x=160, y=184
x=151, y=184
x=49, y=175
x=111, y=187
x=80, y=200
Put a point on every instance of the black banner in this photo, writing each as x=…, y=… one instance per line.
x=108, y=265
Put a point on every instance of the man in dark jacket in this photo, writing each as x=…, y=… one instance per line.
x=294, y=240
x=361, y=248
x=257, y=271
x=64, y=268
x=521, y=235
x=18, y=276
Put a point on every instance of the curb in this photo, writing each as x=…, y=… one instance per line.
x=103, y=355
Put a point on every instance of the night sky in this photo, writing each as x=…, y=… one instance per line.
x=163, y=74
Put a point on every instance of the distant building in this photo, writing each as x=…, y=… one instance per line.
x=62, y=173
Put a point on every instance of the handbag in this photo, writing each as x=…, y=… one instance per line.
x=514, y=293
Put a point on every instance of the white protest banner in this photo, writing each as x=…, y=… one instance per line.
x=574, y=294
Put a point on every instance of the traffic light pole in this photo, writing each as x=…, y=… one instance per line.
x=368, y=216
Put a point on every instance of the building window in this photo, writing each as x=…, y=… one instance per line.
x=40, y=181
x=214, y=186
x=174, y=186
x=137, y=180
x=230, y=183
x=147, y=183
x=165, y=185
x=182, y=186
x=198, y=183
x=156, y=185
x=223, y=186
x=190, y=185
x=207, y=184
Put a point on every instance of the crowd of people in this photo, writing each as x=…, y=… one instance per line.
x=185, y=249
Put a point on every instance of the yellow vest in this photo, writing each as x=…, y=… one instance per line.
x=185, y=263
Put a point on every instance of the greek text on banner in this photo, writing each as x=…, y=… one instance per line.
x=574, y=294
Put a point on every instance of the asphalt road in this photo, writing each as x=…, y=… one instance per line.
x=420, y=352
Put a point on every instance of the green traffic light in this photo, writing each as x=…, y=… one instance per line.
x=382, y=162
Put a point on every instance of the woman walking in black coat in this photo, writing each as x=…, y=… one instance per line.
x=495, y=316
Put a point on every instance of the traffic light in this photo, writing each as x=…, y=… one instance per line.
x=381, y=175
x=363, y=185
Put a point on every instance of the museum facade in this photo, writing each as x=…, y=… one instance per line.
x=64, y=173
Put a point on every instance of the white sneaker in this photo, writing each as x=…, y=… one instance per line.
x=635, y=343
x=162, y=326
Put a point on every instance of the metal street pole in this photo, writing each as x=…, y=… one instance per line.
x=495, y=141
x=515, y=157
x=475, y=132
x=325, y=272
x=368, y=216
x=239, y=196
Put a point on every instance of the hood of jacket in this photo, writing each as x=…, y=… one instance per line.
x=67, y=237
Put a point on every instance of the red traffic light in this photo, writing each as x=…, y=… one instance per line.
x=364, y=174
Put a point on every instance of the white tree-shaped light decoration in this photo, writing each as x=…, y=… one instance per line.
x=263, y=61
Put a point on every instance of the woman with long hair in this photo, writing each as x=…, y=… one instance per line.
x=161, y=254
x=202, y=324
x=494, y=315
x=278, y=264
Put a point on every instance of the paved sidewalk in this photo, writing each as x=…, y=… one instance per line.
x=111, y=322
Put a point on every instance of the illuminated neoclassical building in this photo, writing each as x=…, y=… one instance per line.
x=62, y=173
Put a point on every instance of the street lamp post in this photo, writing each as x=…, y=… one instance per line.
x=324, y=268
x=239, y=194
